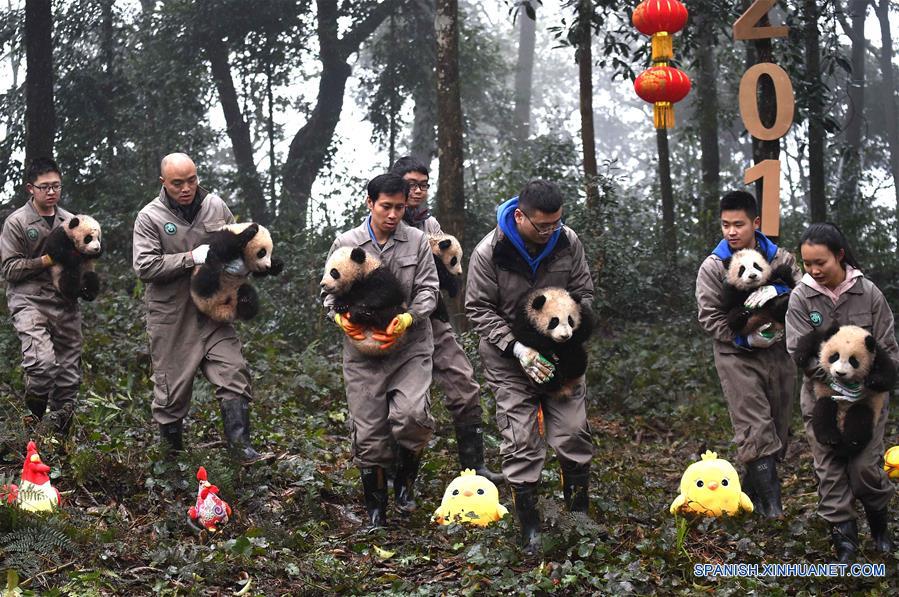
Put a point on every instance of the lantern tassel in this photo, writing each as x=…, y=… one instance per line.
x=662, y=47
x=663, y=115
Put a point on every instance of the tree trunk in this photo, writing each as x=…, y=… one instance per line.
x=524, y=75
x=310, y=148
x=40, y=114
x=817, y=199
x=238, y=130
x=707, y=105
x=882, y=9
x=850, y=171
x=584, y=56
x=669, y=236
x=109, y=84
x=451, y=192
x=424, y=94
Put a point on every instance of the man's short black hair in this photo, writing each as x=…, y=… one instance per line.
x=40, y=166
x=542, y=195
x=740, y=201
x=407, y=164
x=387, y=184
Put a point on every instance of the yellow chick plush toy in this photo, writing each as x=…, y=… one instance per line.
x=891, y=462
x=470, y=498
x=711, y=487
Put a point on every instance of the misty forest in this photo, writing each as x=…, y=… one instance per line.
x=288, y=108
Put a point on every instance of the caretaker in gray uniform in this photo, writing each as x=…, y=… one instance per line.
x=170, y=234
x=530, y=249
x=452, y=369
x=388, y=396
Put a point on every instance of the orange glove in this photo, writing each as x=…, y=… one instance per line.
x=394, y=331
x=350, y=329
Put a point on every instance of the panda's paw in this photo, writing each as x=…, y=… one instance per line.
x=247, y=302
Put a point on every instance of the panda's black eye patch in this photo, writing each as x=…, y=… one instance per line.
x=571, y=321
x=88, y=239
x=454, y=261
x=834, y=358
x=742, y=270
x=261, y=253
x=757, y=266
x=854, y=362
x=553, y=323
x=335, y=274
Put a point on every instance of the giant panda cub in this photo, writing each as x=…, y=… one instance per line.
x=556, y=324
x=748, y=270
x=221, y=295
x=849, y=355
x=73, y=246
x=448, y=258
x=368, y=294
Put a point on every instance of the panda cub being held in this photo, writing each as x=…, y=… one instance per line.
x=73, y=246
x=448, y=258
x=366, y=293
x=747, y=271
x=851, y=386
x=225, y=296
x=556, y=324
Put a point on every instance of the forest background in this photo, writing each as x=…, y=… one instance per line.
x=289, y=107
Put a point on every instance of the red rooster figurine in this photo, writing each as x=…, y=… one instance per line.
x=35, y=493
x=210, y=510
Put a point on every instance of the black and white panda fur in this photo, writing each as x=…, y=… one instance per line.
x=448, y=258
x=73, y=246
x=368, y=294
x=850, y=355
x=223, y=296
x=556, y=324
x=748, y=270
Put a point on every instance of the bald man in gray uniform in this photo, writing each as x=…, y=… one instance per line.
x=170, y=236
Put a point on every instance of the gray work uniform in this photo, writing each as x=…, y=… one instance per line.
x=388, y=396
x=452, y=369
x=498, y=281
x=181, y=338
x=758, y=384
x=862, y=476
x=48, y=324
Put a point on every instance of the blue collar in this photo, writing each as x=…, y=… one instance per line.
x=765, y=247
x=505, y=218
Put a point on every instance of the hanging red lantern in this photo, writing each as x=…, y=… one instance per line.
x=662, y=86
x=660, y=18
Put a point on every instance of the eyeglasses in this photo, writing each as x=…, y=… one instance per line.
x=44, y=188
x=418, y=185
x=545, y=229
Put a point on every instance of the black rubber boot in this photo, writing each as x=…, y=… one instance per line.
x=171, y=436
x=765, y=486
x=37, y=405
x=576, y=486
x=374, y=486
x=407, y=463
x=844, y=536
x=58, y=419
x=524, y=498
x=236, y=420
x=878, y=520
x=470, y=441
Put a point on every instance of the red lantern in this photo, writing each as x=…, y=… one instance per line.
x=660, y=18
x=662, y=86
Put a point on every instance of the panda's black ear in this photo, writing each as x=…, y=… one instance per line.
x=357, y=255
x=538, y=302
x=830, y=332
x=726, y=263
x=445, y=244
x=870, y=344
x=74, y=222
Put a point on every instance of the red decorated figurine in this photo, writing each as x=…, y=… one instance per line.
x=210, y=510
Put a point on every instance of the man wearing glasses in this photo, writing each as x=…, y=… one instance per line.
x=170, y=236
x=452, y=369
x=48, y=325
x=530, y=248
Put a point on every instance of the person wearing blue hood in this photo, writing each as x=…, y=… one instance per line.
x=530, y=248
x=758, y=378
